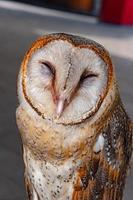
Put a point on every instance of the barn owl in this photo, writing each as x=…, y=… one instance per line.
x=75, y=132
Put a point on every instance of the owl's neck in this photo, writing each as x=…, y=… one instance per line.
x=54, y=142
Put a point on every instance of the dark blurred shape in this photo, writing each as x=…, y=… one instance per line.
x=117, y=11
x=42, y=3
x=89, y=7
x=59, y=2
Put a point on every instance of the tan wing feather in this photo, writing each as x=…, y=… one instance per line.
x=107, y=170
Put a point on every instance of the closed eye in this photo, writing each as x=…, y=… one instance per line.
x=47, y=67
x=88, y=75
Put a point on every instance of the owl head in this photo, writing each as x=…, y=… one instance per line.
x=66, y=78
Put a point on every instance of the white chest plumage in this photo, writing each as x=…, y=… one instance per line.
x=58, y=181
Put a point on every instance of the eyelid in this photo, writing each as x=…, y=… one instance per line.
x=88, y=75
x=48, y=65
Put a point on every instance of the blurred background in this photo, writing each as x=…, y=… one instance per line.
x=109, y=22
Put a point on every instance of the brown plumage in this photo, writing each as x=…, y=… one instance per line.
x=77, y=137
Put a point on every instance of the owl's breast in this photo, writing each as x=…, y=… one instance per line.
x=58, y=180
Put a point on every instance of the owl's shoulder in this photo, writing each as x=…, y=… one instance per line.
x=23, y=118
x=27, y=124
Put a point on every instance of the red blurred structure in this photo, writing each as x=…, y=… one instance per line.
x=117, y=11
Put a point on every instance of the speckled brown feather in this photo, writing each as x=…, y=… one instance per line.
x=107, y=180
x=28, y=190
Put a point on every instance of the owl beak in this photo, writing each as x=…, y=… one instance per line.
x=60, y=107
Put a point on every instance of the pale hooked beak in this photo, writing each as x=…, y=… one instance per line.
x=60, y=106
